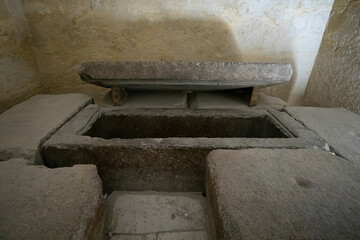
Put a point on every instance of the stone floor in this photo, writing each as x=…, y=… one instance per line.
x=156, y=215
x=339, y=127
x=253, y=193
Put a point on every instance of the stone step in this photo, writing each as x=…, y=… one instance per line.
x=25, y=126
x=156, y=215
x=339, y=127
x=283, y=194
x=41, y=203
x=199, y=76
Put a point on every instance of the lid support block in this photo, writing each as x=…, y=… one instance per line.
x=119, y=95
x=254, y=96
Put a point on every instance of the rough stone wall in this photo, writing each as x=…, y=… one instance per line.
x=19, y=77
x=335, y=78
x=67, y=33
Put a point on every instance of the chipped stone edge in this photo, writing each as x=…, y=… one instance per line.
x=70, y=133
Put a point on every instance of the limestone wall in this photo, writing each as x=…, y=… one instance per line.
x=67, y=33
x=18, y=68
x=335, y=78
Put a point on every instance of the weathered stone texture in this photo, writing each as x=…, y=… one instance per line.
x=156, y=215
x=19, y=74
x=41, y=203
x=25, y=126
x=185, y=75
x=133, y=152
x=193, y=235
x=134, y=237
x=335, y=78
x=339, y=127
x=283, y=194
x=68, y=33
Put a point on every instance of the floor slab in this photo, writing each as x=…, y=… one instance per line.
x=339, y=127
x=194, y=235
x=166, y=215
x=41, y=203
x=283, y=194
x=150, y=236
x=25, y=126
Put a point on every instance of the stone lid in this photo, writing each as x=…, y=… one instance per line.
x=200, y=76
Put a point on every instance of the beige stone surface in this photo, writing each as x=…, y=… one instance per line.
x=283, y=194
x=266, y=100
x=40, y=203
x=335, y=77
x=67, y=33
x=19, y=75
x=134, y=237
x=154, y=212
x=194, y=235
x=339, y=127
x=25, y=126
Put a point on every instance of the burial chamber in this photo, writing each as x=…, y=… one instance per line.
x=165, y=150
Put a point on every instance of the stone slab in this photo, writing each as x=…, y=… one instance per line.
x=283, y=194
x=339, y=127
x=41, y=203
x=150, y=99
x=198, y=76
x=193, y=235
x=154, y=212
x=25, y=126
x=134, y=237
x=231, y=100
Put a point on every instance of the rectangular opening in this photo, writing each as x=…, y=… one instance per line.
x=183, y=126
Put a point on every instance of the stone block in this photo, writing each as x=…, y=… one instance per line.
x=193, y=235
x=339, y=127
x=41, y=203
x=155, y=212
x=25, y=126
x=283, y=194
x=184, y=75
x=166, y=149
x=134, y=237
